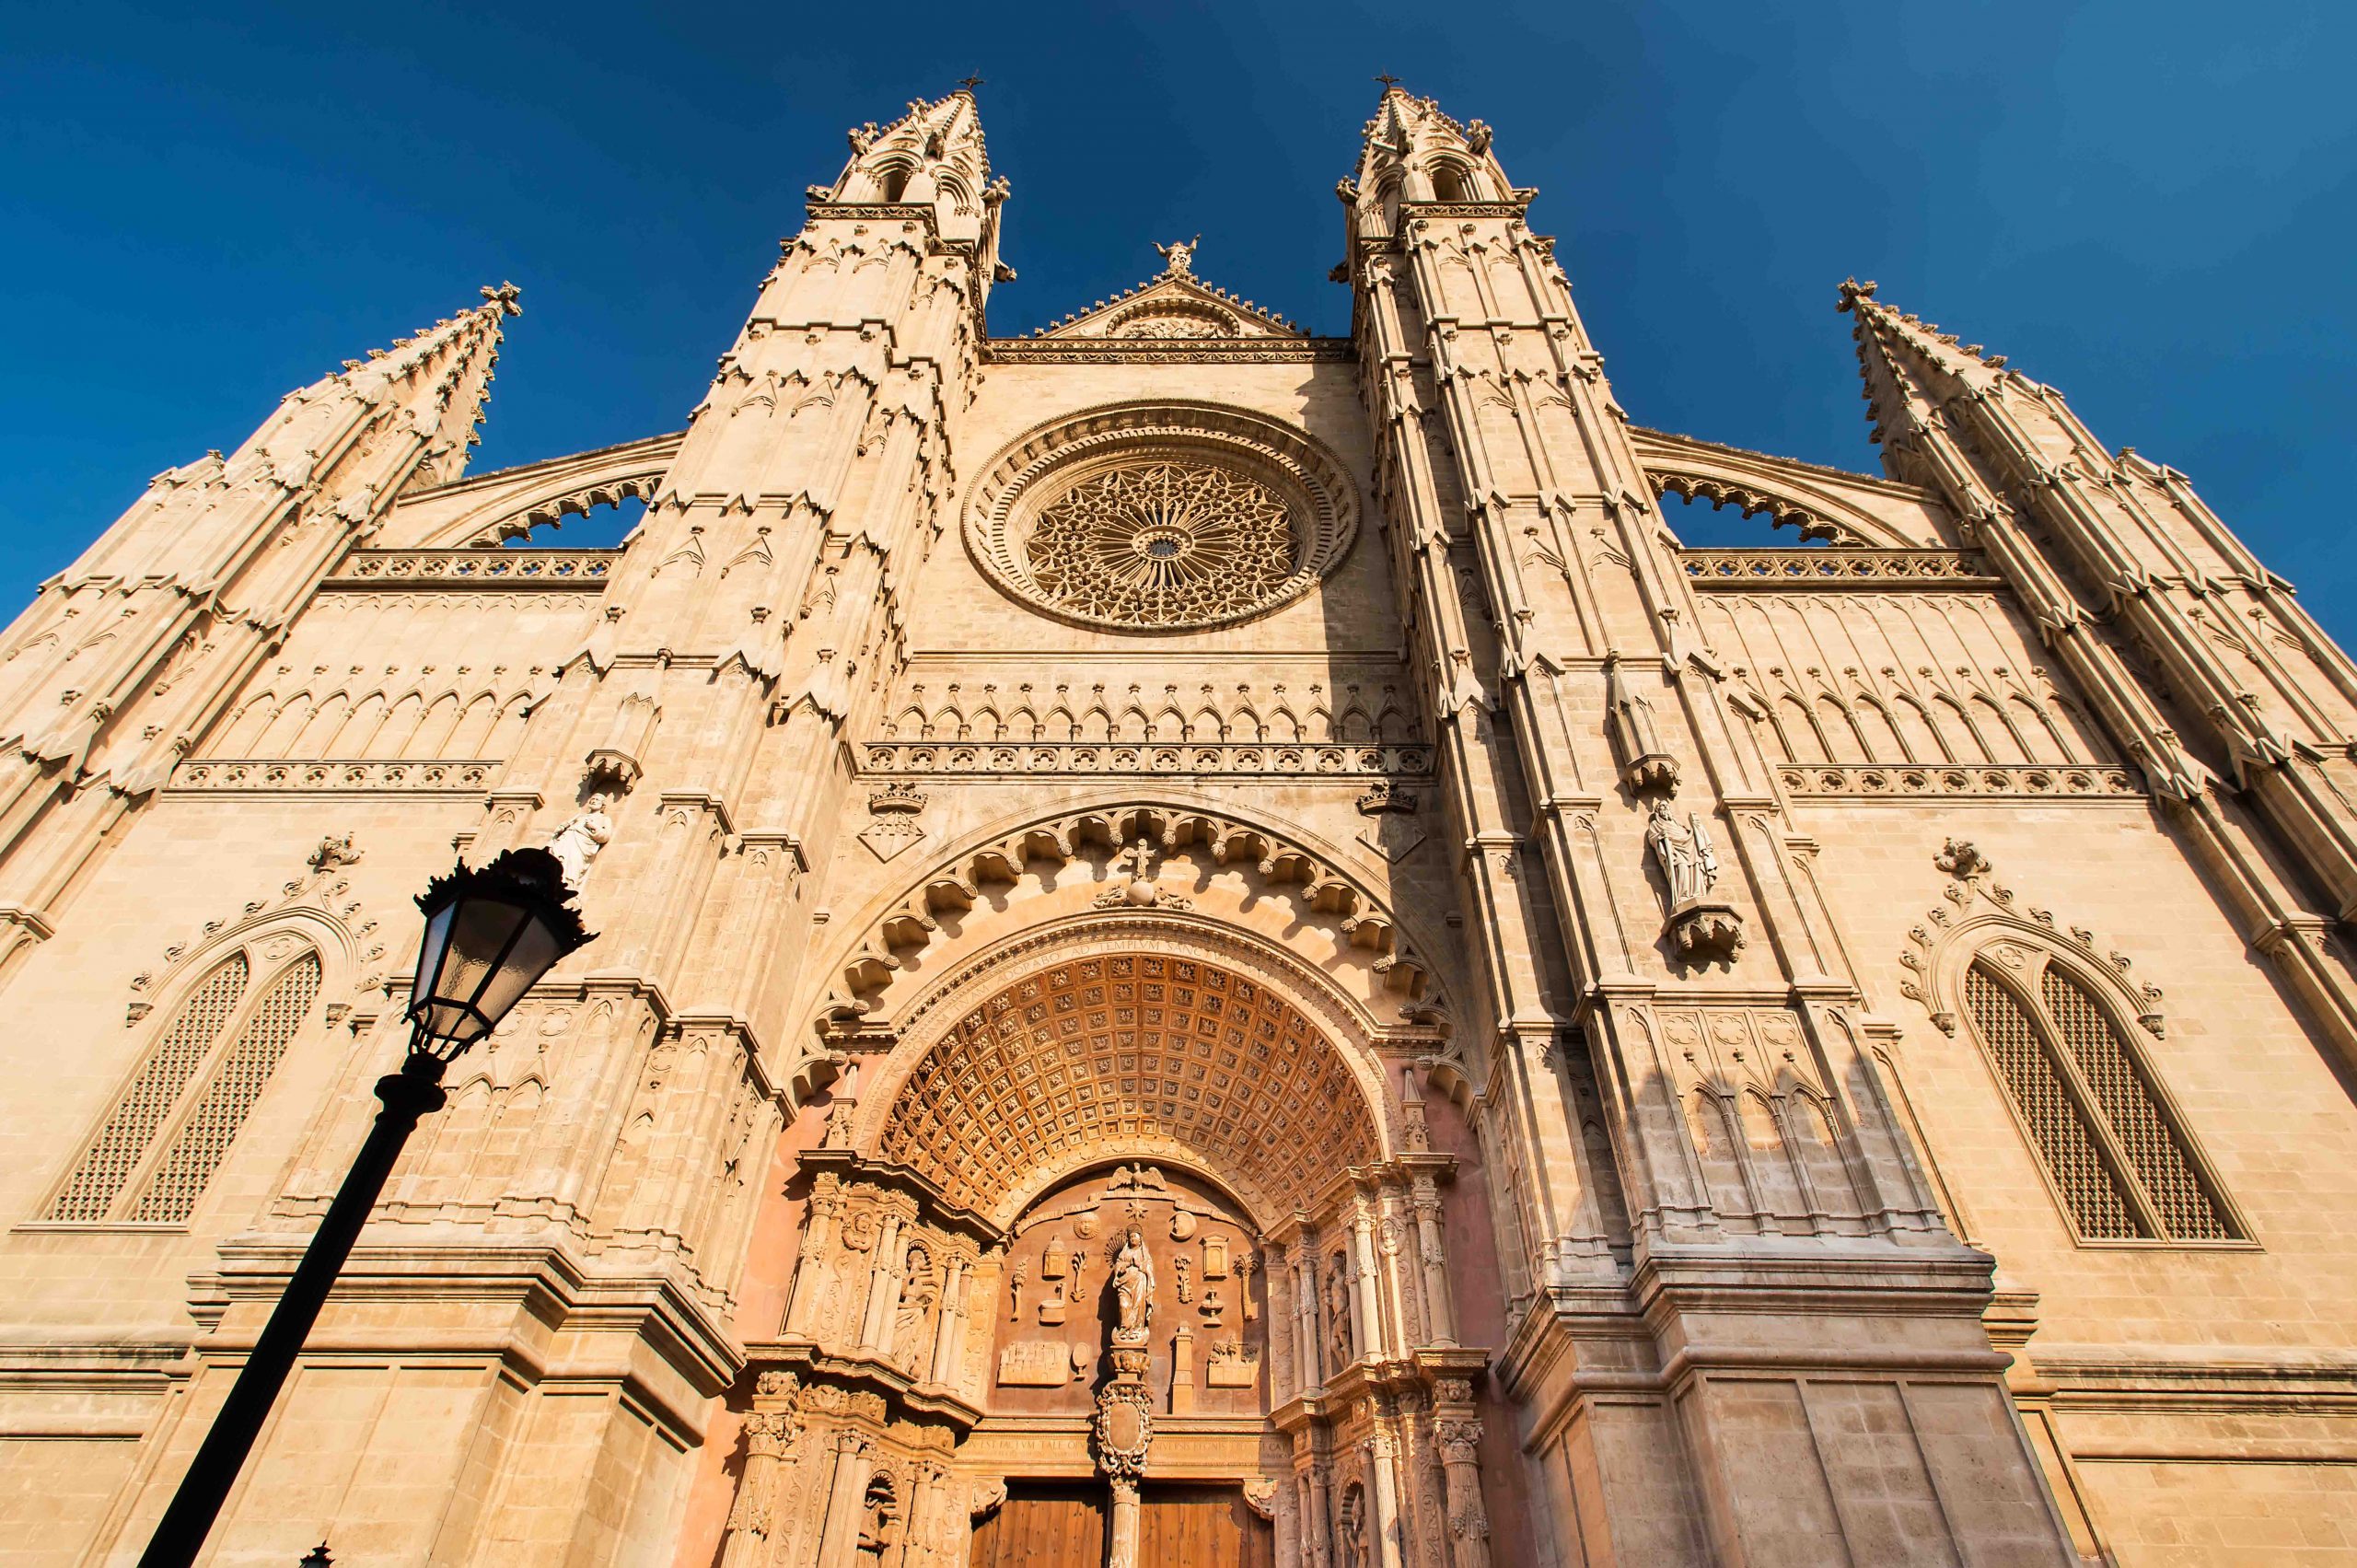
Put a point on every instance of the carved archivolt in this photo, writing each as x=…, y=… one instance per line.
x=1100, y=1050
x=1821, y=502
x=489, y=508
x=1979, y=913
x=1323, y=892
x=1160, y=517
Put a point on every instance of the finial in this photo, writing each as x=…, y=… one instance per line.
x=1387, y=79
x=1853, y=291
x=507, y=296
x=1180, y=257
x=968, y=84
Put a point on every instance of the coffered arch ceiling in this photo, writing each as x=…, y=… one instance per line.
x=1120, y=1050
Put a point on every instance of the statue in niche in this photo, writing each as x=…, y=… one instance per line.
x=577, y=843
x=1353, y=1530
x=918, y=1293
x=879, y=1525
x=1338, y=1314
x=1688, y=864
x=1133, y=1282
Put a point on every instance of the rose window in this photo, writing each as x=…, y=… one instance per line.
x=1162, y=544
x=1161, y=516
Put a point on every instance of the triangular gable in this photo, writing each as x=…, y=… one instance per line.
x=1174, y=304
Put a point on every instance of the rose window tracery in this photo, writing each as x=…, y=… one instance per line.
x=1163, y=543
x=1161, y=517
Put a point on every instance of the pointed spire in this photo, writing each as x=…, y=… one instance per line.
x=1415, y=151
x=933, y=155
x=1905, y=359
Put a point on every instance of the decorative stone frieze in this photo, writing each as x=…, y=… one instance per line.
x=449, y=571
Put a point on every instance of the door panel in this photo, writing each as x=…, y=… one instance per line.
x=1045, y=1525
x=1203, y=1526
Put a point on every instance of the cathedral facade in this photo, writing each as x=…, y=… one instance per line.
x=1214, y=946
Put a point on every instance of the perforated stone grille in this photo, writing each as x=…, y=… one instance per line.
x=1127, y=1046
x=2155, y=1152
x=180, y=1176
x=2064, y=1141
x=123, y=1138
x=1164, y=544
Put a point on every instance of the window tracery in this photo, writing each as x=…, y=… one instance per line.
x=2122, y=1167
x=1160, y=517
x=1163, y=543
x=190, y=1097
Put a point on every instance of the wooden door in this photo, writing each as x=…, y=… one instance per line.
x=1045, y=1525
x=1203, y=1526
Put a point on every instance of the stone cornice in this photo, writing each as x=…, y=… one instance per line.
x=1166, y=351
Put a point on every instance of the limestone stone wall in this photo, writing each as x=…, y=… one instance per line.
x=1773, y=1055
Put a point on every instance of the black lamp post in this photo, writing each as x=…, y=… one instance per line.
x=489, y=933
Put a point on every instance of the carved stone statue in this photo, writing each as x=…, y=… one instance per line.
x=1338, y=1317
x=1180, y=257
x=1132, y=882
x=1133, y=1285
x=918, y=1293
x=577, y=843
x=1688, y=864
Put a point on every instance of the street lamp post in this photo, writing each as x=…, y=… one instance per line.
x=489, y=933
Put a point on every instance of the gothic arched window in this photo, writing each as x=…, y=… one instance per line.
x=159, y=1145
x=2121, y=1163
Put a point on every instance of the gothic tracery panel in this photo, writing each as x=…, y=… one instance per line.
x=1161, y=517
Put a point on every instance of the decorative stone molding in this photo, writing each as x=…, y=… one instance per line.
x=1022, y=485
x=1087, y=758
x=1323, y=890
x=318, y=906
x=488, y=509
x=2051, y=782
x=444, y=570
x=1976, y=912
x=1704, y=931
x=1168, y=351
x=1852, y=568
x=1822, y=503
x=893, y=826
x=222, y=775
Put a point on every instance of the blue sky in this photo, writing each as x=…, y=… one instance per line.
x=2148, y=206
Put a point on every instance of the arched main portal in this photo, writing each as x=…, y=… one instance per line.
x=1132, y=1052
x=1126, y=1219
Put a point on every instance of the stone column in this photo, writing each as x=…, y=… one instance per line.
x=1384, y=1532
x=1305, y=1307
x=846, y=1497
x=1440, y=1313
x=1364, y=1303
x=752, y=1521
x=1121, y=1538
x=876, y=1322
x=946, y=1322
x=1317, y=1534
x=1469, y=1522
x=811, y=1268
